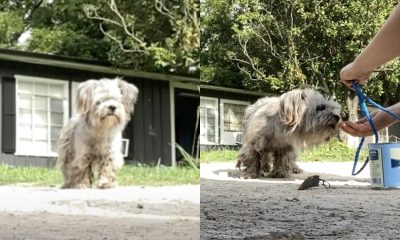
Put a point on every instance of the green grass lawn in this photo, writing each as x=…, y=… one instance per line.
x=128, y=175
x=333, y=151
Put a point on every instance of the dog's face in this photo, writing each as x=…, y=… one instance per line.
x=106, y=102
x=308, y=112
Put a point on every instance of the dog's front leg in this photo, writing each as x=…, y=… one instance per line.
x=265, y=163
x=107, y=173
x=248, y=162
x=80, y=174
x=283, y=162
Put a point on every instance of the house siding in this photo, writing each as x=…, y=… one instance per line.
x=8, y=115
x=228, y=95
x=149, y=130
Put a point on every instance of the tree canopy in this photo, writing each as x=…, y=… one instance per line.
x=279, y=45
x=153, y=35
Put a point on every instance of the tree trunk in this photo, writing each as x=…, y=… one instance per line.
x=352, y=106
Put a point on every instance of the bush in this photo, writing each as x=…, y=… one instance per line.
x=224, y=155
x=334, y=151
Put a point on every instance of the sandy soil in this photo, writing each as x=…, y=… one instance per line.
x=232, y=208
x=30, y=213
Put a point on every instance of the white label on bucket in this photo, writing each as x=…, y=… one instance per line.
x=376, y=169
x=395, y=157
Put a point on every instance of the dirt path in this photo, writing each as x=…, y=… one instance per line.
x=232, y=208
x=119, y=213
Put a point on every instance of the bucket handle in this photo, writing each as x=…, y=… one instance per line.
x=363, y=100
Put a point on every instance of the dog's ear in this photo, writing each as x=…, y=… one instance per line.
x=84, y=96
x=129, y=94
x=291, y=107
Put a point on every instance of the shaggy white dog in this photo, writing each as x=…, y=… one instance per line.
x=91, y=141
x=277, y=128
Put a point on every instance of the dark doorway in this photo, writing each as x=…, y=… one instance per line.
x=186, y=121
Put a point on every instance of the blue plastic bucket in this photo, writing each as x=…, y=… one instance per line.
x=384, y=163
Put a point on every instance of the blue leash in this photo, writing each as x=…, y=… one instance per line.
x=363, y=100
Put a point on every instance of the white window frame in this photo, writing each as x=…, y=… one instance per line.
x=228, y=138
x=19, y=78
x=125, y=147
x=204, y=141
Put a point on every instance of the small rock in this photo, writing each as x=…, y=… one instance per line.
x=292, y=199
x=140, y=206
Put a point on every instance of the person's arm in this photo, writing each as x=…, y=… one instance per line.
x=384, y=47
x=362, y=128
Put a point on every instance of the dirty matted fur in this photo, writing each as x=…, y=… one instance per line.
x=277, y=128
x=91, y=141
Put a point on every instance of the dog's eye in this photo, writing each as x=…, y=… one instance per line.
x=99, y=101
x=321, y=107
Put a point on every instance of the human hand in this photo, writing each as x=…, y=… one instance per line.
x=364, y=119
x=357, y=129
x=351, y=72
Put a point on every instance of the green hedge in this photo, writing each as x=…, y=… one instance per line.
x=334, y=151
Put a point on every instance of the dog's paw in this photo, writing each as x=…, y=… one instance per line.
x=105, y=183
x=296, y=170
x=247, y=175
x=279, y=174
x=75, y=186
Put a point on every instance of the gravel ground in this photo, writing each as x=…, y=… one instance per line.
x=121, y=213
x=232, y=208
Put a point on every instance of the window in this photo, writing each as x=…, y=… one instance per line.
x=232, y=119
x=208, y=121
x=42, y=109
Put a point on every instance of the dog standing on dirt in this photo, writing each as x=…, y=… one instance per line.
x=277, y=128
x=91, y=141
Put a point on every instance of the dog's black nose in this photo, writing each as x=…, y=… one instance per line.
x=336, y=117
x=112, y=108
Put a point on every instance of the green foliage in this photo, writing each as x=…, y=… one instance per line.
x=11, y=26
x=276, y=46
x=157, y=176
x=152, y=35
x=29, y=175
x=128, y=175
x=224, y=155
x=158, y=34
x=334, y=151
x=189, y=159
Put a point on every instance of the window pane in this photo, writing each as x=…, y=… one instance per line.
x=40, y=103
x=56, y=105
x=54, y=146
x=211, y=120
x=40, y=133
x=25, y=87
x=25, y=131
x=25, y=145
x=55, y=133
x=40, y=118
x=57, y=119
x=40, y=88
x=56, y=91
x=25, y=101
x=25, y=116
x=233, y=117
x=40, y=146
x=211, y=112
x=207, y=103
